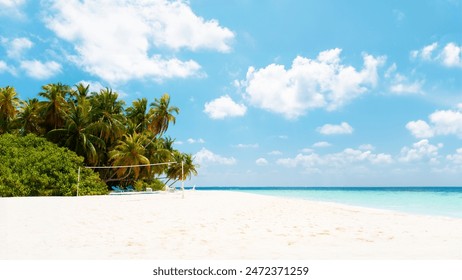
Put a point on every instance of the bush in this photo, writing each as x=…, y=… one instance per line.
x=32, y=166
x=154, y=184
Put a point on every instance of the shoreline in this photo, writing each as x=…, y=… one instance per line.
x=218, y=225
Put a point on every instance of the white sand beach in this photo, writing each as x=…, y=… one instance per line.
x=217, y=225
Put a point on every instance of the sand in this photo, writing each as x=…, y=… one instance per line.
x=217, y=225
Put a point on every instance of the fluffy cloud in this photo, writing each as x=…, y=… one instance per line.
x=309, y=83
x=456, y=158
x=11, y=7
x=16, y=47
x=224, y=107
x=194, y=141
x=205, y=156
x=322, y=144
x=443, y=122
x=11, y=3
x=420, y=129
x=400, y=84
x=414, y=87
x=261, y=162
x=419, y=151
x=329, y=129
x=119, y=40
x=40, y=70
x=425, y=53
x=247, y=146
x=449, y=56
x=345, y=158
x=275, y=153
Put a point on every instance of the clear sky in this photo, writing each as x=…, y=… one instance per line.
x=271, y=92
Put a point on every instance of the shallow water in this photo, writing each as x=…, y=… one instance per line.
x=438, y=201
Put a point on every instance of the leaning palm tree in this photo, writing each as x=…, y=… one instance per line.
x=128, y=153
x=54, y=108
x=181, y=170
x=29, y=117
x=159, y=152
x=8, y=108
x=161, y=115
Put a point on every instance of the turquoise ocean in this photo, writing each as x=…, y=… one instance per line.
x=436, y=201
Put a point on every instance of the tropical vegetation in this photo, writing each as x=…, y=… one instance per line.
x=100, y=129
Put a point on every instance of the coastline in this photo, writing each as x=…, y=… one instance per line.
x=218, y=225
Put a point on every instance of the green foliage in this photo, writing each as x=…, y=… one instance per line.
x=94, y=125
x=32, y=166
x=154, y=184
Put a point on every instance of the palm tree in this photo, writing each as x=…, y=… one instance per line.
x=137, y=116
x=29, y=117
x=127, y=152
x=183, y=169
x=54, y=109
x=158, y=151
x=8, y=108
x=161, y=115
x=76, y=134
x=107, y=114
x=80, y=93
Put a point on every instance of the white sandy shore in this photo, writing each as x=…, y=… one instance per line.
x=216, y=225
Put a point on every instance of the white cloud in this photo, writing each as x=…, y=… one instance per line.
x=121, y=40
x=366, y=147
x=322, y=144
x=427, y=51
x=420, y=129
x=224, y=107
x=301, y=160
x=11, y=7
x=449, y=56
x=176, y=26
x=40, y=70
x=309, y=84
x=11, y=3
x=261, y=162
x=194, y=141
x=443, y=122
x=419, y=151
x=247, y=146
x=3, y=66
x=342, y=159
x=415, y=87
x=307, y=150
x=400, y=84
x=447, y=122
x=17, y=46
x=329, y=129
x=275, y=153
x=456, y=158
x=205, y=156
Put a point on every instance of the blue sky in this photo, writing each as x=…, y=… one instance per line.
x=271, y=92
